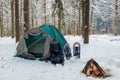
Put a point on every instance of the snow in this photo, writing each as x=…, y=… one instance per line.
x=105, y=49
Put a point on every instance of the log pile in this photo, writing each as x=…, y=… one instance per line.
x=93, y=69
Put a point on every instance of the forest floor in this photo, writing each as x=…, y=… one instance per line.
x=105, y=49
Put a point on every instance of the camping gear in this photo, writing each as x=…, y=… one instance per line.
x=56, y=54
x=67, y=51
x=76, y=49
x=93, y=69
x=36, y=43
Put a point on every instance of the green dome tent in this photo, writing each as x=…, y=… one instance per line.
x=54, y=33
x=36, y=43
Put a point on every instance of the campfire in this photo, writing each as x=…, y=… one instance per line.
x=94, y=70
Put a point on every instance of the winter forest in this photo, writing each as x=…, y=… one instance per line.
x=18, y=16
x=59, y=39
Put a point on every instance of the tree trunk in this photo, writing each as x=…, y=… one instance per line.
x=21, y=18
x=91, y=22
x=79, y=19
x=26, y=15
x=0, y=24
x=64, y=27
x=91, y=16
x=44, y=12
x=108, y=27
x=36, y=18
x=86, y=23
x=59, y=15
x=83, y=18
x=12, y=16
x=32, y=15
x=53, y=19
x=8, y=30
x=74, y=26
x=116, y=18
x=32, y=20
x=1, y=18
x=17, y=20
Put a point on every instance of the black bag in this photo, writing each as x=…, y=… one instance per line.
x=56, y=56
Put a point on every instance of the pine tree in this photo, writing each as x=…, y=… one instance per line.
x=26, y=15
x=86, y=20
x=116, y=18
x=17, y=20
x=12, y=17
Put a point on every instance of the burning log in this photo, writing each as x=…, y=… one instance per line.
x=93, y=69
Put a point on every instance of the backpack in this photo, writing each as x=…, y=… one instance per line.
x=56, y=56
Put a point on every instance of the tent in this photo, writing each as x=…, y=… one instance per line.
x=36, y=43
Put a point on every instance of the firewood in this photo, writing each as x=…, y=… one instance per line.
x=93, y=69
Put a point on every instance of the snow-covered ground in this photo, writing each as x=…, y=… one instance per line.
x=105, y=49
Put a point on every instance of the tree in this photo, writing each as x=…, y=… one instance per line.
x=58, y=7
x=1, y=19
x=59, y=14
x=32, y=9
x=53, y=19
x=26, y=15
x=116, y=18
x=12, y=17
x=86, y=20
x=74, y=22
x=79, y=19
x=108, y=27
x=1, y=23
x=21, y=17
x=44, y=11
x=17, y=20
x=91, y=16
x=53, y=13
x=83, y=17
